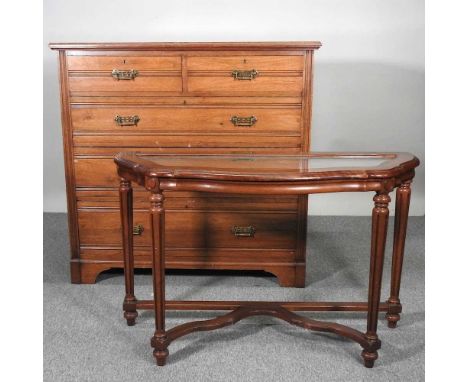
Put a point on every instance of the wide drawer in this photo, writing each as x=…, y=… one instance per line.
x=245, y=62
x=102, y=171
x=109, y=63
x=87, y=151
x=190, y=229
x=184, y=200
x=188, y=140
x=199, y=258
x=241, y=119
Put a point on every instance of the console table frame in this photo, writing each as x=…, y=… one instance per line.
x=156, y=183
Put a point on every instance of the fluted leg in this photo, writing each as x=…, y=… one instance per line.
x=379, y=234
x=403, y=196
x=126, y=215
x=157, y=225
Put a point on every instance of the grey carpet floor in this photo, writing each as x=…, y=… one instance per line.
x=86, y=338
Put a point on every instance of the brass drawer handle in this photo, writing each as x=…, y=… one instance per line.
x=131, y=120
x=138, y=230
x=244, y=74
x=243, y=121
x=124, y=74
x=238, y=231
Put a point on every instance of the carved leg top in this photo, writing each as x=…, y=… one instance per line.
x=157, y=202
x=125, y=184
x=381, y=201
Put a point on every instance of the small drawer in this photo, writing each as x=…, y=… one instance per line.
x=109, y=63
x=201, y=229
x=259, y=63
x=96, y=83
x=226, y=84
x=246, y=75
x=242, y=119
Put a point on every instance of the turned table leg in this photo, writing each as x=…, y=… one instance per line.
x=379, y=235
x=158, y=342
x=403, y=196
x=126, y=215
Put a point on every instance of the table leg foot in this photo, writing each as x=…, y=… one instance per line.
x=160, y=343
x=369, y=353
x=130, y=317
x=160, y=356
x=392, y=320
x=130, y=309
x=369, y=358
x=393, y=313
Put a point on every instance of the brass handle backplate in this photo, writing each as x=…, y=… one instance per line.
x=131, y=120
x=238, y=231
x=124, y=74
x=243, y=121
x=244, y=74
x=138, y=230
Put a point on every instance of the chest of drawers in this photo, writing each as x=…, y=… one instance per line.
x=184, y=98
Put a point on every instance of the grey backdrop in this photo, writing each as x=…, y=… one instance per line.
x=369, y=74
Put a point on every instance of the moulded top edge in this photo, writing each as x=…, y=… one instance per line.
x=264, y=45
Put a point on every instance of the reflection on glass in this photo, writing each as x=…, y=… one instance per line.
x=267, y=163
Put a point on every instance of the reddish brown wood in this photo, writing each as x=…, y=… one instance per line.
x=157, y=228
x=403, y=196
x=287, y=275
x=294, y=306
x=69, y=173
x=105, y=100
x=260, y=63
x=200, y=229
x=174, y=118
x=180, y=46
x=307, y=101
x=379, y=235
x=108, y=63
x=245, y=311
x=186, y=120
x=126, y=216
x=268, y=175
x=105, y=83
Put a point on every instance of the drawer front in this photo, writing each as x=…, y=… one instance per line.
x=101, y=83
x=199, y=258
x=109, y=63
x=96, y=172
x=178, y=200
x=201, y=229
x=225, y=84
x=247, y=75
x=102, y=172
x=259, y=63
x=241, y=120
x=195, y=140
x=99, y=151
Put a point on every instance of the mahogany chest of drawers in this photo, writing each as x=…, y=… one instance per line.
x=184, y=98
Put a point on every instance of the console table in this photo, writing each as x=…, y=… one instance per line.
x=379, y=173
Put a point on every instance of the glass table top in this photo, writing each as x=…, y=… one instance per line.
x=265, y=166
